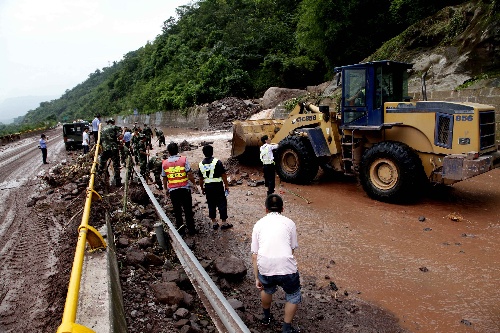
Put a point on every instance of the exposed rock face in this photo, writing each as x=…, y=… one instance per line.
x=453, y=46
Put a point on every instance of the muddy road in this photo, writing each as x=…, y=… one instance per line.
x=433, y=265
x=30, y=271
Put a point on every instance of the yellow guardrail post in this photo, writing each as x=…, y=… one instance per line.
x=88, y=234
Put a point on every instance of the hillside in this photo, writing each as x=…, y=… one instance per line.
x=213, y=51
x=458, y=46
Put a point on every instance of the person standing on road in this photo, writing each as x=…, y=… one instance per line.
x=212, y=181
x=149, y=134
x=127, y=135
x=42, y=144
x=274, y=239
x=142, y=154
x=109, y=142
x=95, y=127
x=267, y=158
x=176, y=175
x=134, y=141
x=85, y=140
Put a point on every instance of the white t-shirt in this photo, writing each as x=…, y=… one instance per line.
x=86, y=139
x=273, y=238
x=266, y=152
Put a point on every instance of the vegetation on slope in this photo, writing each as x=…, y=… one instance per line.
x=220, y=48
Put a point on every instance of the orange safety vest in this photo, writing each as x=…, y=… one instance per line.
x=176, y=172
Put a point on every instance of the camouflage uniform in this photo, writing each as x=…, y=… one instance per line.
x=141, y=155
x=154, y=165
x=148, y=133
x=160, y=136
x=109, y=143
x=134, y=144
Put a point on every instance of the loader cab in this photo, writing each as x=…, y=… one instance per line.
x=365, y=89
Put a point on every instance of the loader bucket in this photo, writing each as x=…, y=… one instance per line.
x=248, y=133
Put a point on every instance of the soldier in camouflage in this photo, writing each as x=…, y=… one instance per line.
x=109, y=143
x=134, y=141
x=142, y=154
x=154, y=165
x=149, y=134
x=160, y=136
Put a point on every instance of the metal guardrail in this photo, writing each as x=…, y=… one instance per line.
x=86, y=233
x=223, y=315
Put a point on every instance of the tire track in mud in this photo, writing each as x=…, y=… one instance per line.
x=27, y=258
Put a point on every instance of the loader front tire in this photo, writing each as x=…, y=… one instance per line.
x=391, y=172
x=296, y=161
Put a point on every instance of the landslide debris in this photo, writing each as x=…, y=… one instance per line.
x=222, y=113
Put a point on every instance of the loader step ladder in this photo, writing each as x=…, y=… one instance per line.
x=347, y=153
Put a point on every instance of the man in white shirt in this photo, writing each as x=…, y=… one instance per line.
x=274, y=238
x=267, y=158
x=95, y=127
x=85, y=140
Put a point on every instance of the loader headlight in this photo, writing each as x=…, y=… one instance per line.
x=463, y=141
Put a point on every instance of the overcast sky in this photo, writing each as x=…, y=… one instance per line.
x=48, y=46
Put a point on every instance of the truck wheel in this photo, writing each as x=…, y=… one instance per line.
x=392, y=172
x=296, y=162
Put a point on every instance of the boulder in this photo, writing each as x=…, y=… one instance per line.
x=167, y=293
x=232, y=268
x=275, y=95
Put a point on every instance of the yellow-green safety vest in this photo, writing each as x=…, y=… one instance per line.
x=210, y=169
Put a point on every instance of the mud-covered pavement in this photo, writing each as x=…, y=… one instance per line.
x=433, y=266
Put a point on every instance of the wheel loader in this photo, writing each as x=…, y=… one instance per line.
x=392, y=144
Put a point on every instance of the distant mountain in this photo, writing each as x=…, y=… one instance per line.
x=15, y=107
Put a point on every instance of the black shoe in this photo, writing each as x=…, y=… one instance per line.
x=226, y=226
x=290, y=330
x=266, y=321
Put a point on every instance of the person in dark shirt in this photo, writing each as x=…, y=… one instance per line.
x=213, y=181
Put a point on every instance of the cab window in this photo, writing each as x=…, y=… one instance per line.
x=354, y=87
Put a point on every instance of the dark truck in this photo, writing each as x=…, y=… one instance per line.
x=73, y=134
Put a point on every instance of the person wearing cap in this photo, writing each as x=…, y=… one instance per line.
x=109, y=143
x=177, y=180
x=267, y=158
x=212, y=181
x=274, y=239
x=42, y=144
x=95, y=127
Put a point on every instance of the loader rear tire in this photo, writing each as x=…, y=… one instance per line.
x=296, y=162
x=391, y=172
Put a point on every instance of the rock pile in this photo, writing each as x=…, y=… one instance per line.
x=222, y=113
